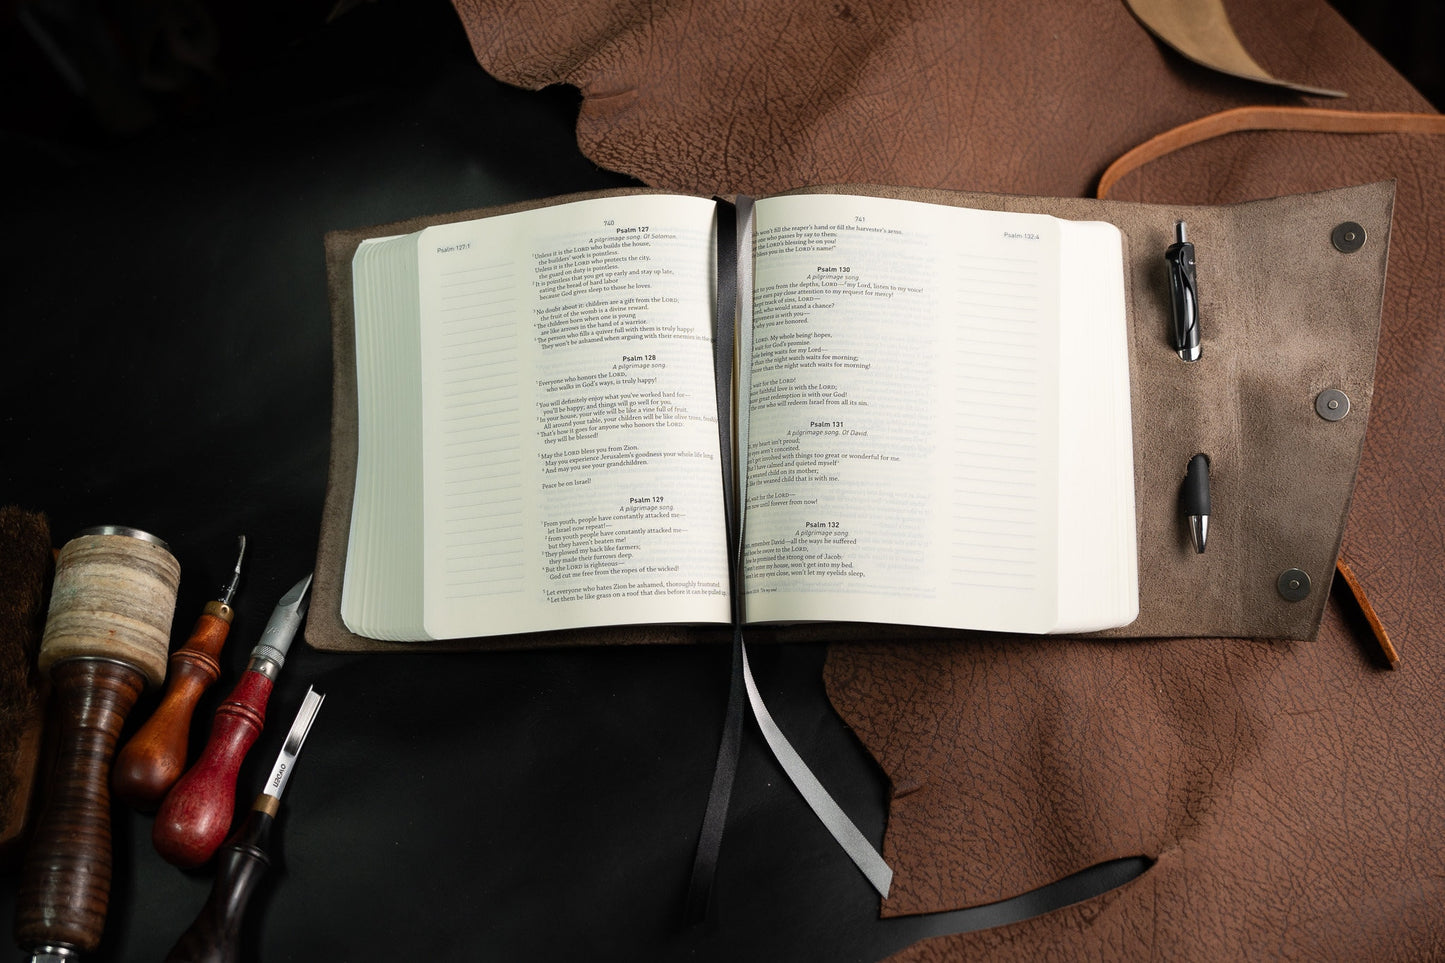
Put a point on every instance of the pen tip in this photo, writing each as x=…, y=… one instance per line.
x=1199, y=532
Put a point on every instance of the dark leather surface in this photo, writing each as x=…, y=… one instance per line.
x=167, y=365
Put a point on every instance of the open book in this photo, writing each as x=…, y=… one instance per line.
x=932, y=420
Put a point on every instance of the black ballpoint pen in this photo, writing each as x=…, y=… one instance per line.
x=1184, y=295
x=1194, y=500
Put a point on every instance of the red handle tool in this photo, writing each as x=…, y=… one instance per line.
x=196, y=814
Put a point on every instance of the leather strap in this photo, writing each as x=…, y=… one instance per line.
x=1372, y=619
x=1316, y=119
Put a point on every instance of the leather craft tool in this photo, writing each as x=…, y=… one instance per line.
x=213, y=937
x=106, y=637
x=155, y=756
x=196, y=813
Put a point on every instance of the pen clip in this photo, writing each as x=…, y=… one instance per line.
x=1184, y=295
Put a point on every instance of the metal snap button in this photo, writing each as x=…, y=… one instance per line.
x=1348, y=237
x=1293, y=584
x=1332, y=404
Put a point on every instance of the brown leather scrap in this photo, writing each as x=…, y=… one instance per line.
x=1290, y=792
x=1200, y=30
x=1024, y=98
x=25, y=569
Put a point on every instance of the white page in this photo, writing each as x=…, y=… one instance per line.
x=569, y=419
x=1098, y=549
x=903, y=451
x=381, y=591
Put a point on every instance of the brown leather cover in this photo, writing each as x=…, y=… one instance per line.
x=1287, y=315
x=1291, y=792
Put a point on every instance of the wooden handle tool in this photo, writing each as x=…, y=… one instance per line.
x=196, y=813
x=155, y=756
x=214, y=936
x=106, y=637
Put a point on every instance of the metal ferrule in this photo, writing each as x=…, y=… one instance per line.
x=53, y=953
x=276, y=640
x=267, y=664
x=126, y=531
x=220, y=610
x=99, y=658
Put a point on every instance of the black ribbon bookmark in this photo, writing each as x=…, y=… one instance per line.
x=709, y=844
x=733, y=234
x=724, y=341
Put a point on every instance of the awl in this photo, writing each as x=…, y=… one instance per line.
x=214, y=936
x=196, y=813
x=155, y=757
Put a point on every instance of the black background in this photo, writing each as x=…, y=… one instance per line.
x=170, y=170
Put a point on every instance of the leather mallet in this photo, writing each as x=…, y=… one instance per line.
x=106, y=638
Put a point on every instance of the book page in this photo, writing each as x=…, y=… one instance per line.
x=569, y=419
x=381, y=593
x=1095, y=436
x=902, y=461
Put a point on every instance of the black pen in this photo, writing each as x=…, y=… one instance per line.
x=1184, y=295
x=1194, y=500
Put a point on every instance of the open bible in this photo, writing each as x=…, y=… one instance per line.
x=931, y=413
